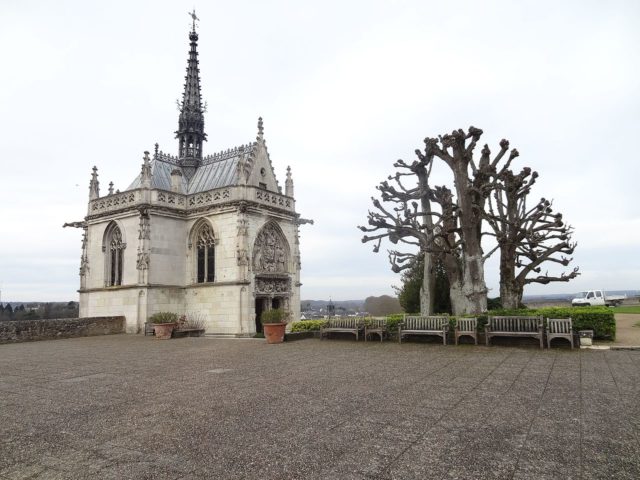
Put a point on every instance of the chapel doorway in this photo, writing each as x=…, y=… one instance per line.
x=259, y=310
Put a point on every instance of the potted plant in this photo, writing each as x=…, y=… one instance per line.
x=163, y=324
x=274, y=322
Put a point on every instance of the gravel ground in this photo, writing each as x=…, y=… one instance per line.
x=133, y=407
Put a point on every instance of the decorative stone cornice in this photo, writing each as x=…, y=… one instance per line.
x=133, y=199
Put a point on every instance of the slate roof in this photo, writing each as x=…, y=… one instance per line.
x=215, y=171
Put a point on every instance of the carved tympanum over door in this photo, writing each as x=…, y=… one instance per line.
x=270, y=251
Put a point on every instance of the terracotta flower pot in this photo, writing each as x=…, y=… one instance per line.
x=163, y=331
x=274, y=332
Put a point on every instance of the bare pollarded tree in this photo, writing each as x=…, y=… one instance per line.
x=449, y=227
x=408, y=220
x=527, y=237
x=454, y=230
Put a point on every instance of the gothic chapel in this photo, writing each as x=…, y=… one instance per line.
x=212, y=236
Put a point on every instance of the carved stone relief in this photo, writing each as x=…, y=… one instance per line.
x=268, y=286
x=84, y=258
x=270, y=251
x=143, y=260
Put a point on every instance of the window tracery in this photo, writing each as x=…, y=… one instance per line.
x=115, y=256
x=205, y=257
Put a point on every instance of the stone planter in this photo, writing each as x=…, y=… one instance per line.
x=274, y=332
x=163, y=331
x=586, y=338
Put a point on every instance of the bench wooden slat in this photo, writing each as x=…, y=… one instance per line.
x=559, y=328
x=377, y=326
x=424, y=325
x=516, y=326
x=343, y=325
x=466, y=327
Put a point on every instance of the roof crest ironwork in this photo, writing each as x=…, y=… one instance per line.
x=228, y=153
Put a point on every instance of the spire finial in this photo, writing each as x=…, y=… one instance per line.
x=194, y=18
x=110, y=188
x=94, y=184
x=155, y=152
x=260, y=128
x=288, y=184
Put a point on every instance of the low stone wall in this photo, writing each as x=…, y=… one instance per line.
x=51, y=329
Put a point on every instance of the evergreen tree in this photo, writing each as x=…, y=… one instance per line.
x=412, y=279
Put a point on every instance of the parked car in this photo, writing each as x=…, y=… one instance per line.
x=597, y=297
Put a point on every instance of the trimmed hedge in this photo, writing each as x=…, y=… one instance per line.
x=393, y=321
x=307, y=325
x=599, y=319
x=396, y=318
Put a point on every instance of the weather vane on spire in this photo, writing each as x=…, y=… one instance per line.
x=194, y=18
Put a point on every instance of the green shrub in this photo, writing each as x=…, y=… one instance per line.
x=276, y=315
x=308, y=325
x=164, y=317
x=599, y=319
x=393, y=321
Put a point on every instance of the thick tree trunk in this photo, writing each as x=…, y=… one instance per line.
x=510, y=295
x=459, y=304
x=510, y=289
x=427, y=291
x=474, y=287
x=459, y=300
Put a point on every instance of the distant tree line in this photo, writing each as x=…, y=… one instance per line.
x=39, y=311
x=383, y=305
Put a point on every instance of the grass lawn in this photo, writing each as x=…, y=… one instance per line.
x=631, y=309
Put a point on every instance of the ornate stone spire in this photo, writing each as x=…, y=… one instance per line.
x=94, y=185
x=190, y=133
x=288, y=184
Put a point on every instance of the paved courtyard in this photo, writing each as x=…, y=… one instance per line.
x=132, y=407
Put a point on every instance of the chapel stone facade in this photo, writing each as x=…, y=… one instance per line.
x=210, y=236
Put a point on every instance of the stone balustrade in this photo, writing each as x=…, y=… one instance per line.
x=133, y=198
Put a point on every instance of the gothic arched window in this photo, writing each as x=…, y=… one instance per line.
x=206, y=259
x=114, y=249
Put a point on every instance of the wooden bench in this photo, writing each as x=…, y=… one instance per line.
x=515, y=327
x=466, y=327
x=342, y=325
x=559, y=328
x=421, y=325
x=377, y=326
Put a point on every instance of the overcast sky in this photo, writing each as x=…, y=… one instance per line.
x=345, y=88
